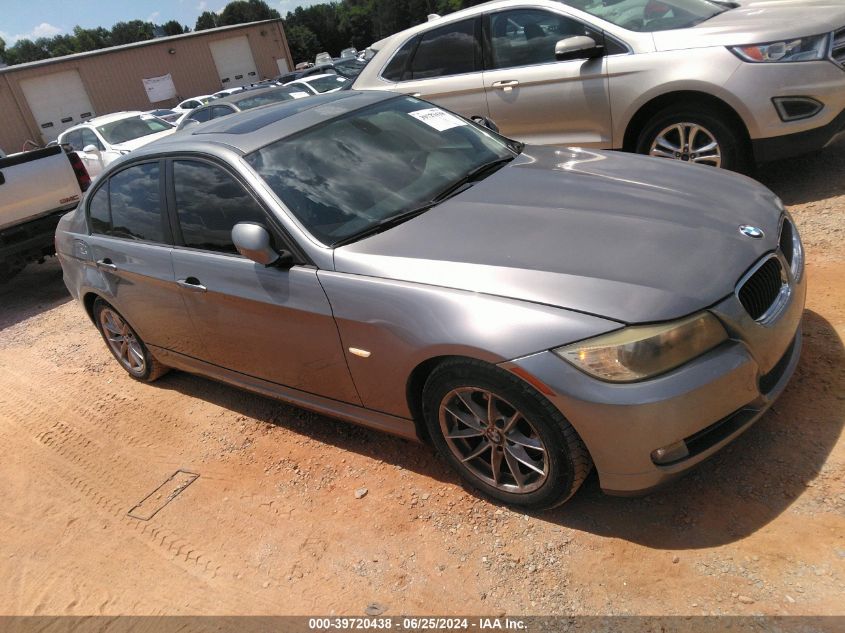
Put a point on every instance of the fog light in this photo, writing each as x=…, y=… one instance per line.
x=797, y=108
x=670, y=454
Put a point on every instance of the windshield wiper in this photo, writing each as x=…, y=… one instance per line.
x=463, y=183
x=386, y=223
x=474, y=175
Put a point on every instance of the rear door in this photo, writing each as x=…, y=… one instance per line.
x=532, y=96
x=443, y=65
x=267, y=322
x=130, y=244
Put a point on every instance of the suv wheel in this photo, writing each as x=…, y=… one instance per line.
x=694, y=135
x=502, y=436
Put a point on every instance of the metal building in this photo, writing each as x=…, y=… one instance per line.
x=40, y=99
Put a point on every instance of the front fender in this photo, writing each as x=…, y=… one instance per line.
x=404, y=324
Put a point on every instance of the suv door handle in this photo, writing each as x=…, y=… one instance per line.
x=193, y=284
x=106, y=263
x=507, y=85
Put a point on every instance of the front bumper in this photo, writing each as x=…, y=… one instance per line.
x=779, y=147
x=755, y=85
x=707, y=403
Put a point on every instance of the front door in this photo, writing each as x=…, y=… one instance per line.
x=533, y=97
x=444, y=66
x=265, y=322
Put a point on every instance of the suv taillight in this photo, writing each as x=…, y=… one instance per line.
x=82, y=176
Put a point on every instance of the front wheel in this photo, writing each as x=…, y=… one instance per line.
x=694, y=135
x=502, y=436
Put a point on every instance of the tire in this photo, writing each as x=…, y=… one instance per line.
x=125, y=345
x=456, y=388
x=733, y=148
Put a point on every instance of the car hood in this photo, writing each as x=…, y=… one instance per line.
x=757, y=22
x=630, y=238
x=144, y=140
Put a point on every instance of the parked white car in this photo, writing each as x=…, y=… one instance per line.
x=319, y=84
x=225, y=93
x=194, y=102
x=103, y=139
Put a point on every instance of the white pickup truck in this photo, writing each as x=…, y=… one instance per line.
x=36, y=189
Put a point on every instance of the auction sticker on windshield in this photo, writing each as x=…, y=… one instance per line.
x=439, y=119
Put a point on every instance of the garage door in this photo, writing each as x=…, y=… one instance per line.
x=233, y=58
x=57, y=101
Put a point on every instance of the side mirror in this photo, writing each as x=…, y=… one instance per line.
x=253, y=241
x=91, y=149
x=483, y=121
x=577, y=47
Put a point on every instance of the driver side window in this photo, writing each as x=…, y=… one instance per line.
x=527, y=37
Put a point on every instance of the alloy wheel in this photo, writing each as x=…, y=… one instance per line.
x=123, y=342
x=687, y=142
x=493, y=440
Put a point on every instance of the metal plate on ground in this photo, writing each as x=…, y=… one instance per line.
x=164, y=494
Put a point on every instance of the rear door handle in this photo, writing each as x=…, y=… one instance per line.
x=107, y=264
x=507, y=85
x=193, y=284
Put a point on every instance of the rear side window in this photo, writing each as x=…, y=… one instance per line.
x=136, y=204
x=453, y=49
x=89, y=138
x=74, y=139
x=395, y=70
x=98, y=212
x=201, y=115
x=209, y=203
x=219, y=111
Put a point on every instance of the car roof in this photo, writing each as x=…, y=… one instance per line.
x=102, y=120
x=243, y=94
x=250, y=130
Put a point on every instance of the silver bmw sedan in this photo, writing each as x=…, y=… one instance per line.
x=532, y=312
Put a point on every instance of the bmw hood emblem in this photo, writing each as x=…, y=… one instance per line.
x=751, y=231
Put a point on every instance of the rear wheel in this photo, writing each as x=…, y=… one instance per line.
x=694, y=135
x=125, y=345
x=502, y=436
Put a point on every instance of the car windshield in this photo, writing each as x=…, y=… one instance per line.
x=265, y=98
x=131, y=128
x=353, y=174
x=650, y=15
x=329, y=82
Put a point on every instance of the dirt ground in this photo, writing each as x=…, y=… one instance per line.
x=273, y=526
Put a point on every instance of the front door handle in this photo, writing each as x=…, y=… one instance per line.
x=193, y=284
x=507, y=85
x=106, y=263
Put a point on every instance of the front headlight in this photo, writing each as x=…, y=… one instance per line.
x=798, y=50
x=639, y=352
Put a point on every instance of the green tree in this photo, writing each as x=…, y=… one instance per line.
x=2, y=49
x=132, y=31
x=206, y=20
x=242, y=11
x=172, y=27
x=304, y=44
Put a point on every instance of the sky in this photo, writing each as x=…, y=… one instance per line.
x=44, y=18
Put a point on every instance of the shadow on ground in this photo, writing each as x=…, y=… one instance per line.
x=36, y=289
x=736, y=493
x=808, y=178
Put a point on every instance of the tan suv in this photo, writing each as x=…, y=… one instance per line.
x=705, y=82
